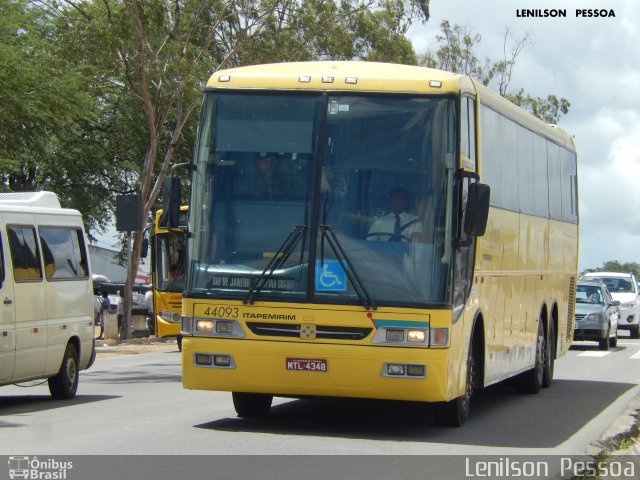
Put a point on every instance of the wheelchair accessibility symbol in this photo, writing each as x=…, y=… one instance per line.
x=330, y=276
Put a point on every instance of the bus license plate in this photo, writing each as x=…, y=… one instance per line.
x=307, y=364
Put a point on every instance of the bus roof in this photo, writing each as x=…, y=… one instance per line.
x=329, y=75
x=377, y=77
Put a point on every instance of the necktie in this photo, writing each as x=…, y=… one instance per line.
x=397, y=232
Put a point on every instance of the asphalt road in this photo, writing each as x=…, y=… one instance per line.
x=135, y=405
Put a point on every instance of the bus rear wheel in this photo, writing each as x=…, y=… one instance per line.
x=550, y=357
x=455, y=413
x=252, y=404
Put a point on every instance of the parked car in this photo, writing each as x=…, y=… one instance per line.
x=596, y=315
x=624, y=288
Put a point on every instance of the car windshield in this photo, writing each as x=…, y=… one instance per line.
x=344, y=198
x=589, y=294
x=617, y=284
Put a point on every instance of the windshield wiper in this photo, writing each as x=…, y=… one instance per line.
x=358, y=285
x=280, y=257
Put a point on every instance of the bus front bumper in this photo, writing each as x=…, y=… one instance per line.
x=315, y=369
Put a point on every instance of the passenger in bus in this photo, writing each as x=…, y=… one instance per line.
x=270, y=182
x=398, y=225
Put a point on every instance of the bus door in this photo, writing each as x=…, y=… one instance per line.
x=7, y=315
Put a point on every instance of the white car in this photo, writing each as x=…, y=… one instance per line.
x=623, y=287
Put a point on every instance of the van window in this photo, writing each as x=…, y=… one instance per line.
x=24, y=253
x=64, y=253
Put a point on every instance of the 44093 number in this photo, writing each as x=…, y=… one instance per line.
x=221, y=311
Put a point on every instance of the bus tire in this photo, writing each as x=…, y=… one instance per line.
x=549, y=364
x=455, y=413
x=531, y=381
x=64, y=384
x=179, y=342
x=252, y=404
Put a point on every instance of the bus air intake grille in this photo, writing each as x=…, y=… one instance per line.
x=322, y=331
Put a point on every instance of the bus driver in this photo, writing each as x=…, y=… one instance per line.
x=398, y=225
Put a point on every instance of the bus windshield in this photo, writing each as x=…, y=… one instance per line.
x=316, y=198
x=170, y=257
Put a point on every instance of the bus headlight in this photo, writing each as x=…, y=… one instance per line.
x=416, y=336
x=218, y=327
x=170, y=316
x=402, y=336
x=204, y=326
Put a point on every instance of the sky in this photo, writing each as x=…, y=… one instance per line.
x=595, y=64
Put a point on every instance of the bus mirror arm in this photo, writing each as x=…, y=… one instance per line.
x=477, y=210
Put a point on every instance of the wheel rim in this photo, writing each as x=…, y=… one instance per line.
x=542, y=356
x=71, y=372
x=466, y=399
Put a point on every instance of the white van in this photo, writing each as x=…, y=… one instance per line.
x=46, y=322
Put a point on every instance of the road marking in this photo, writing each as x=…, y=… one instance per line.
x=593, y=354
x=635, y=356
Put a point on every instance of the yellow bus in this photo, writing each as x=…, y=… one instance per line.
x=168, y=251
x=342, y=241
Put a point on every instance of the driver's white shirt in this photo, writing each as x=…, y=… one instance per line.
x=385, y=224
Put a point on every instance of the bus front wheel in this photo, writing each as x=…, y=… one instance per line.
x=252, y=404
x=454, y=413
x=531, y=381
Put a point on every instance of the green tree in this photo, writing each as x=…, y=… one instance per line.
x=456, y=53
x=150, y=59
x=46, y=102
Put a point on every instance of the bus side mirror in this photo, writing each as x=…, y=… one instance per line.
x=170, y=217
x=477, y=212
x=145, y=248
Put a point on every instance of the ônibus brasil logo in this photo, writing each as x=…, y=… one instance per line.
x=36, y=469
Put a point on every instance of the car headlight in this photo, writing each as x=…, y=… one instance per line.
x=594, y=317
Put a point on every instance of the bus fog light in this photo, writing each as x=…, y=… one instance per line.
x=439, y=336
x=415, y=370
x=416, y=336
x=224, y=327
x=394, y=369
x=222, y=360
x=395, y=335
x=204, y=359
x=204, y=326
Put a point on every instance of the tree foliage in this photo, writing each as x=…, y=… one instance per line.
x=456, y=53
x=47, y=103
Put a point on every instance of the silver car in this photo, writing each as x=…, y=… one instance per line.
x=596, y=315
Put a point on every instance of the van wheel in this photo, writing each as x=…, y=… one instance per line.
x=635, y=332
x=64, y=385
x=252, y=404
